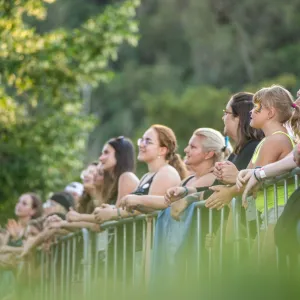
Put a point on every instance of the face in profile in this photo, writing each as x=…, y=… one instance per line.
x=258, y=115
x=149, y=147
x=99, y=176
x=194, y=153
x=107, y=158
x=24, y=207
x=231, y=122
x=88, y=174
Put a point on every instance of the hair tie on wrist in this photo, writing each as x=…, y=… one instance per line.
x=294, y=105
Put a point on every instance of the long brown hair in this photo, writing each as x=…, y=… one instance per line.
x=125, y=157
x=167, y=138
x=241, y=105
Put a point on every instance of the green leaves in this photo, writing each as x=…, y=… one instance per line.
x=43, y=122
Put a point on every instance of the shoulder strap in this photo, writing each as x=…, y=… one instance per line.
x=291, y=139
x=184, y=183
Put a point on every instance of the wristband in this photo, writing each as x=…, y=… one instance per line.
x=186, y=191
x=119, y=213
x=259, y=180
x=262, y=173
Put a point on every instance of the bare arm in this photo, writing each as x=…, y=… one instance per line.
x=166, y=178
x=74, y=226
x=128, y=183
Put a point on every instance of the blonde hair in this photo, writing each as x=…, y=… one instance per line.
x=214, y=141
x=282, y=100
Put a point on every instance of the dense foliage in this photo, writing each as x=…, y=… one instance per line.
x=44, y=76
x=191, y=56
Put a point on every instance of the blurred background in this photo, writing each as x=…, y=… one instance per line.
x=75, y=73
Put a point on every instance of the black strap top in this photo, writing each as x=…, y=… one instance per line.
x=187, y=180
x=144, y=187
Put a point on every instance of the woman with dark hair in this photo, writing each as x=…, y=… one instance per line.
x=118, y=163
x=236, y=120
x=157, y=148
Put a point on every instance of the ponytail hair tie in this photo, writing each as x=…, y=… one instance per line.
x=223, y=149
x=294, y=105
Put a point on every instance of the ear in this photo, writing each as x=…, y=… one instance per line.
x=163, y=151
x=209, y=154
x=271, y=112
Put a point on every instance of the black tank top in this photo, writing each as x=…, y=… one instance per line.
x=144, y=187
x=187, y=180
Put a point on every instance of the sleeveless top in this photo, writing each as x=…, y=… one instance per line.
x=184, y=183
x=257, y=149
x=260, y=203
x=144, y=187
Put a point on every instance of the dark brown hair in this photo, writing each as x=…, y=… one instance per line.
x=37, y=205
x=125, y=157
x=241, y=105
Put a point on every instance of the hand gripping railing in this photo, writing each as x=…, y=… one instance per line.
x=121, y=257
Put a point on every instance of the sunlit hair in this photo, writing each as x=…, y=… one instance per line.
x=241, y=104
x=167, y=138
x=213, y=141
x=282, y=100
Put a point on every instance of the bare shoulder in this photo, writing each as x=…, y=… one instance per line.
x=167, y=171
x=205, y=180
x=164, y=179
x=279, y=141
x=128, y=177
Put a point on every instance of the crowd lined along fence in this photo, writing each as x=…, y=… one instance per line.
x=124, y=254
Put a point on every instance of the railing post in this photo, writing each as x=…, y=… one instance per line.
x=86, y=263
x=149, y=229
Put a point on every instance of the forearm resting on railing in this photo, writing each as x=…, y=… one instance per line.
x=280, y=167
x=10, y=249
x=34, y=242
x=74, y=226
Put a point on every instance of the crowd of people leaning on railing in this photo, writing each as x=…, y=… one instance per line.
x=263, y=127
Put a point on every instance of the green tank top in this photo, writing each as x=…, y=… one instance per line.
x=260, y=206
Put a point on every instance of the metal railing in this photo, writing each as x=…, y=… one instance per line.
x=77, y=264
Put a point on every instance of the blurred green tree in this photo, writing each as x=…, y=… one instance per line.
x=43, y=119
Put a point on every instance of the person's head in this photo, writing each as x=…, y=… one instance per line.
x=75, y=189
x=59, y=202
x=274, y=104
x=159, y=143
x=99, y=177
x=29, y=206
x=88, y=174
x=206, y=144
x=237, y=120
x=118, y=157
